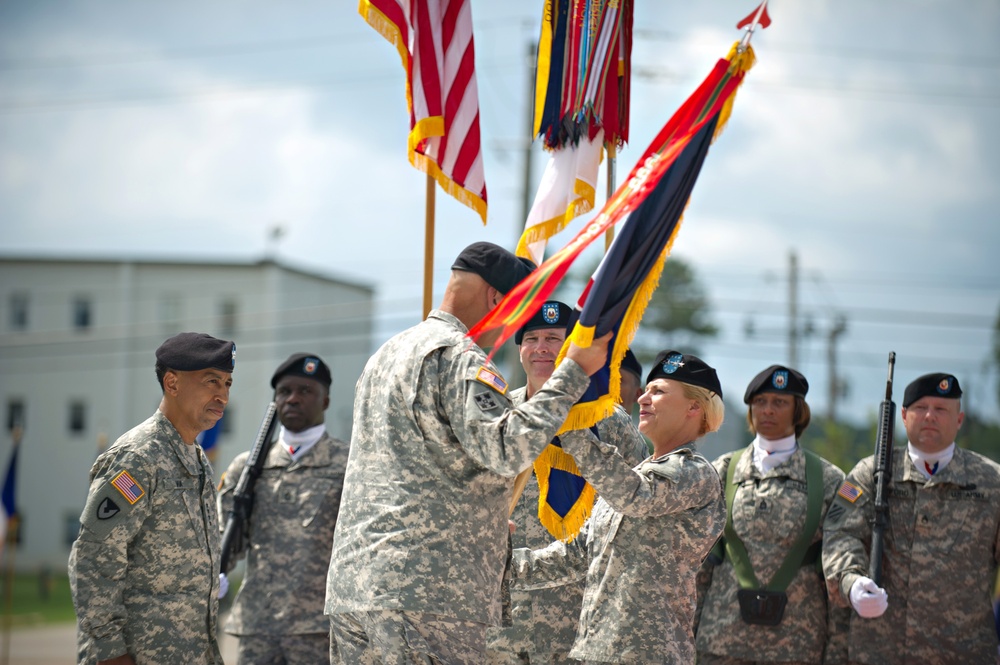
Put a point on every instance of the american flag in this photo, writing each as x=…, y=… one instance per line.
x=849, y=492
x=434, y=41
x=128, y=487
x=491, y=379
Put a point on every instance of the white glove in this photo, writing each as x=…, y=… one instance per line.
x=223, y=585
x=868, y=599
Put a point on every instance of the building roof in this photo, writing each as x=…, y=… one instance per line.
x=190, y=262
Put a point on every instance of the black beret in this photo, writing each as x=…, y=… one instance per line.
x=631, y=363
x=777, y=379
x=308, y=365
x=685, y=368
x=932, y=385
x=501, y=269
x=553, y=314
x=190, y=352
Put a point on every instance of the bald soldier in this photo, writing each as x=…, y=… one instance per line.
x=934, y=601
x=145, y=568
x=420, y=545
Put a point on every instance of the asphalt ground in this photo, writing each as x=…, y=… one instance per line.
x=56, y=645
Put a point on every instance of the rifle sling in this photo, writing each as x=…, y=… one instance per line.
x=736, y=551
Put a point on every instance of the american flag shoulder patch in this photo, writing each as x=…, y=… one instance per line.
x=130, y=489
x=492, y=379
x=849, y=492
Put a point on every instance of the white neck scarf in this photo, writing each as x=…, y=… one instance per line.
x=768, y=453
x=930, y=463
x=298, y=444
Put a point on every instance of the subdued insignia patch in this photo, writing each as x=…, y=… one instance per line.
x=107, y=509
x=128, y=487
x=850, y=492
x=486, y=401
x=492, y=379
x=835, y=512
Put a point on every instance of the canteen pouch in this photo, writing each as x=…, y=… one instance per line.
x=762, y=607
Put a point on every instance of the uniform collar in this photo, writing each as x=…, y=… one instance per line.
x=794, y=468
x=955, y=473
x=451, y=319
x=322, y=454
x=191, y=463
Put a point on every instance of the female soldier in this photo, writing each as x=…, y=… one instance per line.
x=761, y=596
x=650, y=529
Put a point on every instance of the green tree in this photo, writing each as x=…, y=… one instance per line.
x=996, y=351
x=678, y=315
x=838, y=442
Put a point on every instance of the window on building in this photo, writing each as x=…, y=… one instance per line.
x=71, y=528
x=81, y=313
x=228, y=311
x=170, y=310
x=15, y=414
x=18, y=311
x=77, y=417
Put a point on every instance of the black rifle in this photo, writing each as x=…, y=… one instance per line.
x=238, y=520
x=882, y=475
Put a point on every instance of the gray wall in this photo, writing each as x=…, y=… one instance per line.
x=109, y=366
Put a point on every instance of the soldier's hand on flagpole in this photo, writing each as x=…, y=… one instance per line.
x=592, y=358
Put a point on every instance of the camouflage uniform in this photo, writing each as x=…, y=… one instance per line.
x=545, y=619
x=941, y=553
x=145, y=568
x=769, y=510
x=291, y=534
x=434, y=453
x=648, y=534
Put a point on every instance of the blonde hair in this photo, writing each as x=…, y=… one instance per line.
x=713, y=409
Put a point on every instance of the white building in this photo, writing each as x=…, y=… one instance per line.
x=77, y=342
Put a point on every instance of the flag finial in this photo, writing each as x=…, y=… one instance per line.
x=757, y=17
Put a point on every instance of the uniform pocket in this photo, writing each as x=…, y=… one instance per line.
x=186, y=492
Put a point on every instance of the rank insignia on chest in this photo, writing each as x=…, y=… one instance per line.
x=492, y=379
x=486, y=401
x=130, y=489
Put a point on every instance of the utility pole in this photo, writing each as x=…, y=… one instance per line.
x=838, y=329
x=793, y=310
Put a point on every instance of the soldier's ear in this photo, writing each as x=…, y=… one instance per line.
x=170, y=382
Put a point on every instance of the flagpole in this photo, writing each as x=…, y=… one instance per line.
x=429, y=247
x=8, y=594
x=753, y=26
x=10, y=547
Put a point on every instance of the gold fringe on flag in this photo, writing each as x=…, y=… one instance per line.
x=588, y=414
x=740, y=62
x=564, y=528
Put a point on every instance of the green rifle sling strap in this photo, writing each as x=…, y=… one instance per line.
x=736, y=551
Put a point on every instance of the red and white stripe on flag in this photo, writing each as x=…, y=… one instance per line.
x=434, y=41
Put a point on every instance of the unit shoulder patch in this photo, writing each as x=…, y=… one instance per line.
x=486, y=401
x=107, y=509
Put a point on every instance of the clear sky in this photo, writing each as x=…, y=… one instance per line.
x=865, y=141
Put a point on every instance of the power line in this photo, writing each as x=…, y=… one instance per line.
x=985, y=61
